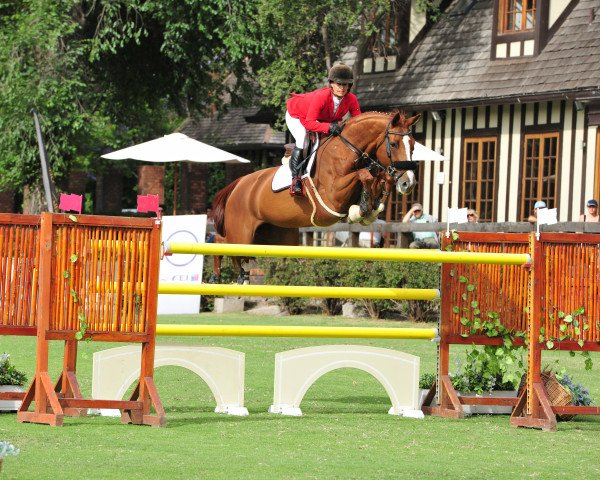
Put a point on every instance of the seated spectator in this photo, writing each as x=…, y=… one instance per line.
x=592, y=212
x=421, y=239
x=472, y=216
x=533, y=217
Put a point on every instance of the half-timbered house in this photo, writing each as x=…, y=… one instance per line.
x=510, y=94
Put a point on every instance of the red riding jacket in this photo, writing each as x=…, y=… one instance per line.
x=315, y=109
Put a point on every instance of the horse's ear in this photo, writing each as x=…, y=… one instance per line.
x=413, y=120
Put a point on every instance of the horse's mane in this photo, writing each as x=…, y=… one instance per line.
x=219, y=201
x=370, y=115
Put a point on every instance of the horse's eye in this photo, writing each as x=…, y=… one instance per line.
x=394, y=144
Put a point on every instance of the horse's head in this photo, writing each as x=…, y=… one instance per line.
x=399, y=144
x=382, y=144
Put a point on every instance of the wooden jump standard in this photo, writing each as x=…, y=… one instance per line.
x=19, y=266
x=563, y=277
x=98, y=279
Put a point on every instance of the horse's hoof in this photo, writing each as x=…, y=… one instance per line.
x=354, y=215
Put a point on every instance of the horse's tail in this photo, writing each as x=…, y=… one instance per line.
x=218, y=206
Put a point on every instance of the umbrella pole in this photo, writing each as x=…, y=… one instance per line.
x=175, y=172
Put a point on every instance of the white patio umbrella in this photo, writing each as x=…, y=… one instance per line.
x=175, y=147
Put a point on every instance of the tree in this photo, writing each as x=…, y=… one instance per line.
x=103, y=74
x=304, y=39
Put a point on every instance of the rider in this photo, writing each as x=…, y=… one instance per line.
x=319, y=111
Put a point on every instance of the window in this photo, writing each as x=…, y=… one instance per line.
x=516, y=16
x=540, y=168
x=479, y=176
x=387, y=48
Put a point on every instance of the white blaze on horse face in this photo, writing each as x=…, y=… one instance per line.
x=406, y=142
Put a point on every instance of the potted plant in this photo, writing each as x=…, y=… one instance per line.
x=493, y=371
x=7, y=448
x=11, y=380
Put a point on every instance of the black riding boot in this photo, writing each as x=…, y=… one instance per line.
x=295, y=166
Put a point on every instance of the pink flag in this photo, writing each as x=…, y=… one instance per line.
x=147, y=203
x=70, y=202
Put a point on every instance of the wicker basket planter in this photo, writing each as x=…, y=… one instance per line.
x=557, y=394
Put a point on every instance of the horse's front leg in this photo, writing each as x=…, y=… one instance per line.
x=380, y=190
x=357, y=213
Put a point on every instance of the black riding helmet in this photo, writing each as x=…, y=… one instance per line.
x=341, y=74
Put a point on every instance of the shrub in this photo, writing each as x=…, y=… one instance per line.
x=352, y=273
x=426, y=381
x=581, y=395
x=9, y=375
x=490, y=368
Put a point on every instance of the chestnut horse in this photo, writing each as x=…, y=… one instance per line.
x=353, y=176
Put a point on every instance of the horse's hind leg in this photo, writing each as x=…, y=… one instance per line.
x=243, y=277
x=215, y=276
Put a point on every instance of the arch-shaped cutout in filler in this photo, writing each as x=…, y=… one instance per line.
x=296, y=370
x=115, y=369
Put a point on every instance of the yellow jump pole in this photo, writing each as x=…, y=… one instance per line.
x=296, y=331
x=348, y=253
x=298, y=291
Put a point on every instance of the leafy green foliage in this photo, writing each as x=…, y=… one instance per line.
x=571, y=327
x=355, y=273
x=9, y=375
x=106, y=74
x=426, y=380
x=489, y=368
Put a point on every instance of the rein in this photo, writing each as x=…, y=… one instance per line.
x=372, y=163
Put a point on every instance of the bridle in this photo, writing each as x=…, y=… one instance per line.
x=404, y=182
x=373, y=164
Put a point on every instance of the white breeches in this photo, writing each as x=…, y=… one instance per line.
x=296, y=129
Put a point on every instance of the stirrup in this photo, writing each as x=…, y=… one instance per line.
x=297, y=187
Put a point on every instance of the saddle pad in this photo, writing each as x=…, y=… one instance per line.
x=282, y=178
x=283, y=175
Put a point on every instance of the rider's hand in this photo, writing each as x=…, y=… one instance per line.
x=334, y=129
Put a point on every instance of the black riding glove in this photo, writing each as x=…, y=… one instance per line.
x=334, y=129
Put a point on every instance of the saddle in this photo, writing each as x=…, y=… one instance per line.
x=283, y=176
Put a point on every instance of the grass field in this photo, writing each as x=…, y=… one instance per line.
x=345, y=432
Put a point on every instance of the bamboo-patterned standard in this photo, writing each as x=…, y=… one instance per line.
x=571, y=282
x=19, y=266
x=99, y=278
x=501, y=289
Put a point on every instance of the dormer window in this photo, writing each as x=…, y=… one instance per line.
x=522, y=28
x=517, y=16
x=388, y=45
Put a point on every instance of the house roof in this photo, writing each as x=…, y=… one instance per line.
x=452, y=65
x=233, y=130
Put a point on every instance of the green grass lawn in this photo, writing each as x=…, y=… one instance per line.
x=345, y=432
